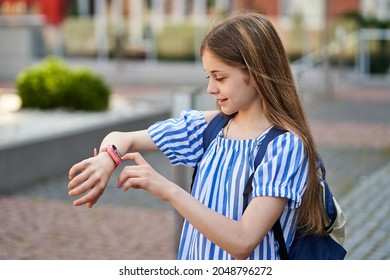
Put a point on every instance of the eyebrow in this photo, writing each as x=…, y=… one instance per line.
x=215, y=71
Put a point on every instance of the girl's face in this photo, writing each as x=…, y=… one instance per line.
x=231, y=86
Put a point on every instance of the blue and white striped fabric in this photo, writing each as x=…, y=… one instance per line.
x=222, y=174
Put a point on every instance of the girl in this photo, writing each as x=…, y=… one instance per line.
x=249, y=76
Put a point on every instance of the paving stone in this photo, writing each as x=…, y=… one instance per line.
x=352, y=132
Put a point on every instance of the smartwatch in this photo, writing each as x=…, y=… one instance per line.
x=113, y=153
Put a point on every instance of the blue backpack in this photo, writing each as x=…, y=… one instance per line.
x=304, y=247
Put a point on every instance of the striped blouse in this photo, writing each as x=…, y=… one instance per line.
x=222, y=174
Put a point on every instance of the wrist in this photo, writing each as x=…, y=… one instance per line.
x=113, y=153
x=107, y=160
x=172, y=192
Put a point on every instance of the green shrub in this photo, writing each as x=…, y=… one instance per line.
x=43, y=85
x=52, y=84
x=87, y=92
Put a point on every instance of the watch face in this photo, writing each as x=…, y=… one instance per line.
x=116, y=151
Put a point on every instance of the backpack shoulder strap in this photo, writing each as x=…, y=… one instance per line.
x=272, y=134
x=277, y=229
x=212, y=129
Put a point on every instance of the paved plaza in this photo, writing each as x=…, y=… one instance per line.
x=352, y=130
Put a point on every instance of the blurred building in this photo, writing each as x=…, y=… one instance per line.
x=168, y=29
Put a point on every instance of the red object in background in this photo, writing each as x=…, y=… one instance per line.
x=54, y=11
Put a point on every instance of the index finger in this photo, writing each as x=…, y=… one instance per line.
x=135, y=157
x=75, y=169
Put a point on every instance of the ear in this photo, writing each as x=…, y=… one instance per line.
x=248, y=78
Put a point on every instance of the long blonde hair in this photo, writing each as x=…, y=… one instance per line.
x=250, y=42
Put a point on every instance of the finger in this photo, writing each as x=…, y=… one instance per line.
x=92, y=203
x=135, y=157
x=133, y=183
x=76, y=169
x=83, y=187
x=79, y=179
x=89, y=198
x=127, y=173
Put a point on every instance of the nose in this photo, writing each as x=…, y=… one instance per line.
x=212, y=87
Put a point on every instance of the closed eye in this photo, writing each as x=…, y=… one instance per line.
x=217, y=79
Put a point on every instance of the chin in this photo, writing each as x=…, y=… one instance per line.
x=225, y=110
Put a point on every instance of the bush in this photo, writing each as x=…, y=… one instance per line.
x=43, y=85
x=52, y=84
x=87, y=92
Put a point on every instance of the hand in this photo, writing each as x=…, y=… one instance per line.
x=143, y=176
x=89, y=178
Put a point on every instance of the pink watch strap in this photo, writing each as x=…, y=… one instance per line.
x=110, y=150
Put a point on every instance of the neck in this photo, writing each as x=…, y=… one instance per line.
x=246, y=126
x=251, y=119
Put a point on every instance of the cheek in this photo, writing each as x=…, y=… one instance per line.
x=248, y=94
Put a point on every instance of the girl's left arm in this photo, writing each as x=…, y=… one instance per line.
x=238, y=238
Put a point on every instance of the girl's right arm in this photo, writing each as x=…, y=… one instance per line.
x=89, y=177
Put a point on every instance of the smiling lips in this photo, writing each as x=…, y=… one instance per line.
x=221, y=101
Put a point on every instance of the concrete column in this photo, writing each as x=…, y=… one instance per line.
x=199, y=10
x=222, y=5
x=117, y=16
x=157, y=22
x=157, y=15
x=100, y=19
x=117, y=25
x=136, y=22
x=199, y=17
x=179, y=10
